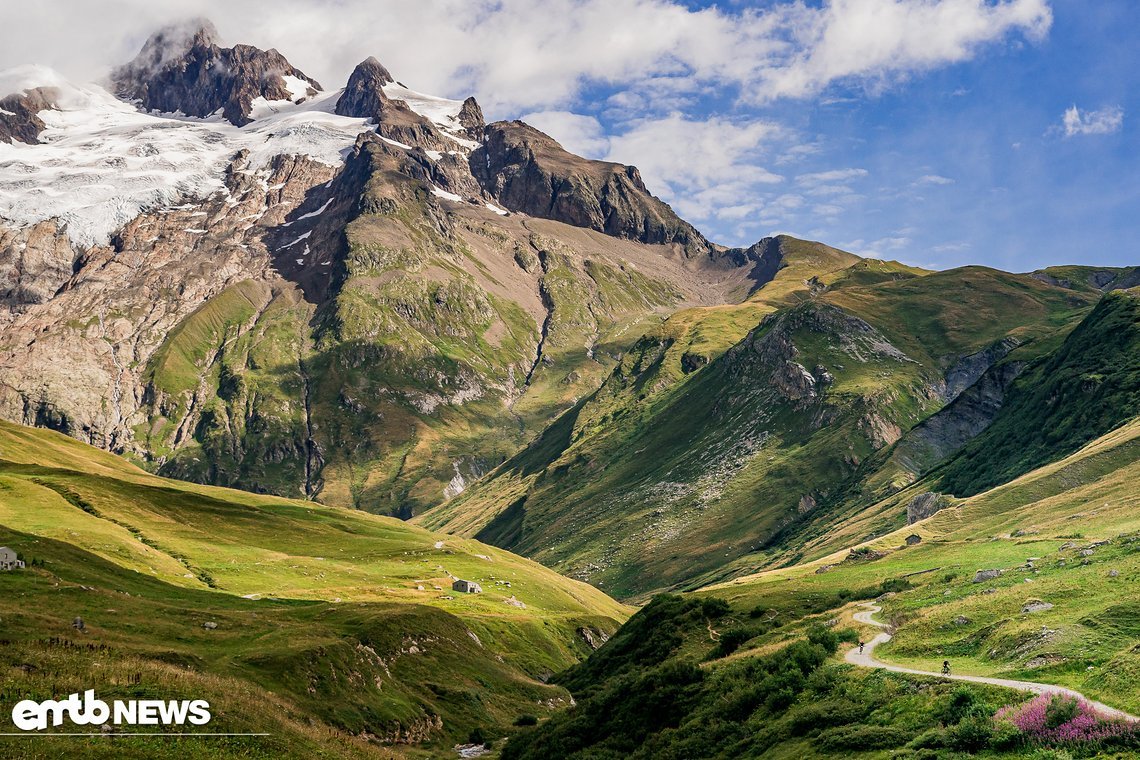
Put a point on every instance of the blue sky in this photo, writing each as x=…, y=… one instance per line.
x=936, y=132
x=964, y=163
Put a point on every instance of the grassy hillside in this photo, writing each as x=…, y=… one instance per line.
x=437, y=342
x=1066, y=534
x=687, y=466
x=1076, y=394
x=342, y=620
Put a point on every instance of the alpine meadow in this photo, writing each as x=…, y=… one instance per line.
x=385, y=429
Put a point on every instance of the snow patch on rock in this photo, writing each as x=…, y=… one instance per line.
x=101, y=161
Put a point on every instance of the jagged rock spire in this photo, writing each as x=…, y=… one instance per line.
x=182, y=68
x=364, y=97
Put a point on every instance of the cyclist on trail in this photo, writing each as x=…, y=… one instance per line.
x=860, y=647
x=945, y=667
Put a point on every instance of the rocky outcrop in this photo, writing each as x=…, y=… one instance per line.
x=19, y=114
x=969, y=369
x=527, y=171
x=364, y=98
x=925, y=505
x=35, y=263
x=471, y=119
x=1104, y=280
x=948, y=430
x=181, y=68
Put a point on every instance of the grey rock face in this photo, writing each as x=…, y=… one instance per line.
x=986, y=575
x=182, y=68
x=527, y=171
x=970, y=413
x=924, y=505
x=471, y=117
x=970, y=368
x=363, y=96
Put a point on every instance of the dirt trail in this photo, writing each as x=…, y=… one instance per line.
x=867, y=660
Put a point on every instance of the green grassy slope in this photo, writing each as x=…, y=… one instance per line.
x=444, y=342
x=666, y=686
x=1077, y=520
x=342, y=620
x=1078, y=393
x=678, y=471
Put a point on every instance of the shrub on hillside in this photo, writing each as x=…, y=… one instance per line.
x=861, y=738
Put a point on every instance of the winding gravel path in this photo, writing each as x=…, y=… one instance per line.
x=867, y=660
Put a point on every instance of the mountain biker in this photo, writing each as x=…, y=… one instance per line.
x=860, y=647
x=945, y=667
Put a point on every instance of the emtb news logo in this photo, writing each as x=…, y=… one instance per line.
x=30, y=715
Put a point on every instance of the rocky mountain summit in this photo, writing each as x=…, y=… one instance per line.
x=527, y=171
x=327, y=293
x=371, y=297
x=182, y=69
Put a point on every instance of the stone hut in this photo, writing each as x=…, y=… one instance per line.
x=466, y=587
x=9, y=560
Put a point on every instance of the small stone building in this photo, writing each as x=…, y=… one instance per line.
x=466, y=587
x=8, y=559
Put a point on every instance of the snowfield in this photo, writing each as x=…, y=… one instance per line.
x=102, y=162
x=441, y=112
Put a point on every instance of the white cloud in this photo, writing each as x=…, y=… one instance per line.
x=877, y=248
x=878, y=40
x=698, y=165
x=1102, y=122
x=817, y=179
x=933, y=179
x=520, y=55
x=577, y=133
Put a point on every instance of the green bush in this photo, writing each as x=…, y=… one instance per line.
x=934, y=738
x=1060, y=711
x=828, y=714
x=1006, y=737
x=959, y=704
x=861, y=738
x=730, y=641
x=526, y=720
x=972, y=734
x=715, y=607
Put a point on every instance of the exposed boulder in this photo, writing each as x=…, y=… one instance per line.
x=181, y=68
x=1035, y=605
x=924, y=505
x=913, y=539
x=986, y=575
